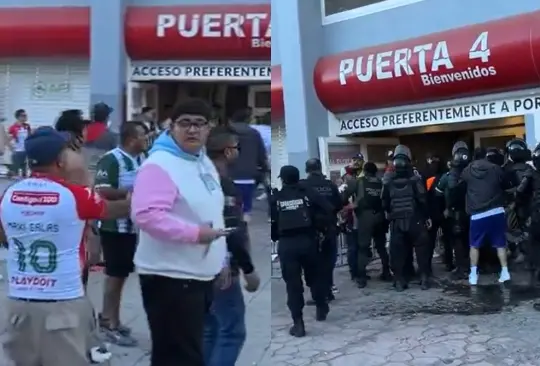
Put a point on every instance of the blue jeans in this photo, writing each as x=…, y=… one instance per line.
x=225, y=327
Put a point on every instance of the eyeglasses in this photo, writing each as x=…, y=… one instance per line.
x=187, y=124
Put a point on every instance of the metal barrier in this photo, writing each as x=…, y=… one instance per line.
x=275, y=270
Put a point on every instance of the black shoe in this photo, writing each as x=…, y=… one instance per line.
x=449, y=267
x=458, y=275
x=401, y=286
x=386, y=276
x=331, y=297
x=322, y=312
x=361, y=282
x=424, y=282
x=298, y=329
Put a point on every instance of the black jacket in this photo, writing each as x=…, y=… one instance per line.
x=237, y=242
x=326, y=188
x=252, y=160
x=485, y=184
x=321, y=210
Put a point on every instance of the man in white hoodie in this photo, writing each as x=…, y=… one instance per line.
x=178, y=204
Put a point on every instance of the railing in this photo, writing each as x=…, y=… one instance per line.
x=275, y=271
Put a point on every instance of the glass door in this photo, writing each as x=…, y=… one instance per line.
x=337, y=152
x=141, y=95
x=498, y=137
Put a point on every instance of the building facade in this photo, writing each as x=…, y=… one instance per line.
x=63, y=54
x=359, y=75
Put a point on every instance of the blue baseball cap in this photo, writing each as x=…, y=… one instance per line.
x=44, y=145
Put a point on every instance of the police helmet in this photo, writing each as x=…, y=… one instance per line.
x=289, y=174
x=402, y=157
x=460, y=154
x=517, y=150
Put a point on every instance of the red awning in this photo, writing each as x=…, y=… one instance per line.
x=276, y=90
x=205, y=32
x=45, y=32
x=485, y=58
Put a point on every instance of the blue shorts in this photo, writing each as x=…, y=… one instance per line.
x=247, y=190
x=490, y=228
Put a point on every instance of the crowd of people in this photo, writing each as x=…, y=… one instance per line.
x=175, y=211
x=484, y=201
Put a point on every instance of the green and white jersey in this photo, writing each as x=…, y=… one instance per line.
x=117, y=169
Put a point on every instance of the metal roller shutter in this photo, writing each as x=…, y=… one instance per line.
x=279, y=152
x=43, y=88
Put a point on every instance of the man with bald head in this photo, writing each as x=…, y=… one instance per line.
x=318, y=181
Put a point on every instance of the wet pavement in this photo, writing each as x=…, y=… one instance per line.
x=448, y=325
x=257, y=304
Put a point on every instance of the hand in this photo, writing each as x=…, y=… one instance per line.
x=446, y=213
x=207, y=234
x=224, y=279
x=253, y=281
x=428, y=224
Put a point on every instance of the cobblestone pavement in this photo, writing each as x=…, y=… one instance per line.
x=445, y=326
x=257, y=318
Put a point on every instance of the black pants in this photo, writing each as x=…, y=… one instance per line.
x=405, y=235
x=351, y=237
x=371, y=226
x=458, y=228
x=300, y=254
x=328, y=258
x=176, y=311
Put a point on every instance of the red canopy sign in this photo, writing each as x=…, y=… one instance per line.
x=205, y=32
x=479, y=59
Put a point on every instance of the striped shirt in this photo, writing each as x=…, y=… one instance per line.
x=117, y=169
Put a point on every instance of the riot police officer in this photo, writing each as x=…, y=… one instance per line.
x=367, y=207
x=296, y=214
x=529, y=189
x=515, y=170
x=405, y=203
x=457, y=220
x=327, y=189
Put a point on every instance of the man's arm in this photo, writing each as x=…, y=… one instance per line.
x=152, y=206
x=337, y=202
x=261, y=153
x=90, y=205
x=421, y=196
x=107, y=179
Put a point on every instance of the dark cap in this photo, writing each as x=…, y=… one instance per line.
x=44, y=145
x=358, y=156
x=313, y=165
x=289, y=174
x=101, y=111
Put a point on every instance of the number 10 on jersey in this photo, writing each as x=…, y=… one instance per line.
x=41, y=256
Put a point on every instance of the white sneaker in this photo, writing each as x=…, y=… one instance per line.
x=504, y=277
x=473, y=279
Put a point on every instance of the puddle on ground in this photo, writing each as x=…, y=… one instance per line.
x=462, y=299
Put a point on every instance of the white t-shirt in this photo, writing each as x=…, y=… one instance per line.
x=44, y=219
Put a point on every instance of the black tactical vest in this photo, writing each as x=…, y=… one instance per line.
x=372, y=193
x=402, y=198
x=294, y=213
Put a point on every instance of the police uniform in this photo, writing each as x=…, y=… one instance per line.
x=371, y=224
x=329, y=191
x=456, y=226
x=296, y=213
x=405, y=203
x=529, y=190
x=515, y=170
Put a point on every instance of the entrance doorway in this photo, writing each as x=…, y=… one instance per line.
x=225, y=98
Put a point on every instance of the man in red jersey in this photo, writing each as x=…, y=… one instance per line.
x=43, y=218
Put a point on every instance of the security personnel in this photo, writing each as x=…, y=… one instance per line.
x=456, y=218
x=317, y=181
x=371, y=222
x=405, y=203
x=297, y=213
x=515, y=170
x=530, y=190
